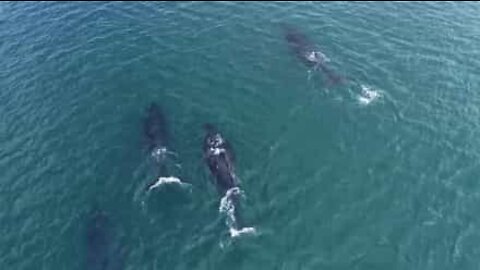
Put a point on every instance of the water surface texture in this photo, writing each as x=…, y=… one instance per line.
x=381, y=172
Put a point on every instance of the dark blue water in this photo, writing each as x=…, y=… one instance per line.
x=380, y=172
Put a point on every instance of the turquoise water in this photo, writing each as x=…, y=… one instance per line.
x=333, y=179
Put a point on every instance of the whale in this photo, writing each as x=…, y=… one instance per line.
x=102, y=253
x=156, y=132
x=309, y=53
x=220, y=158
x=157, y=138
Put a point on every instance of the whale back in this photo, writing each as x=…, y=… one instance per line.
x=155, y=127
x=219, y=158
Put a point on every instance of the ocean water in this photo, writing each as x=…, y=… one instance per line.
x=381, y=172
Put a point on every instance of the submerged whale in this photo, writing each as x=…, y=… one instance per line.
x=102, y=253
x=156, y=133
x=309, y=53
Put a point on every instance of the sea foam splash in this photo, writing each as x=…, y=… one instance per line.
x=245, y=230
x=227, y=207
x=368, y=95
x=168, y=180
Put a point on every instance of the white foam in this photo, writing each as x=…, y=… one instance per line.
x=161, y=153
x=311, y=56
x=166, y=180
x=368, y=95
x=226, y=202
x=243, y=231
x=227, y=206
x=216, y=151
x=321, y=56
x=317, y=57
x=219, y=140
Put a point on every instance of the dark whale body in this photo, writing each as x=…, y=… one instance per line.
x=156, y=134
x=220, y=159
x=307, y=52
x=155, y=127
x=102, y=253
